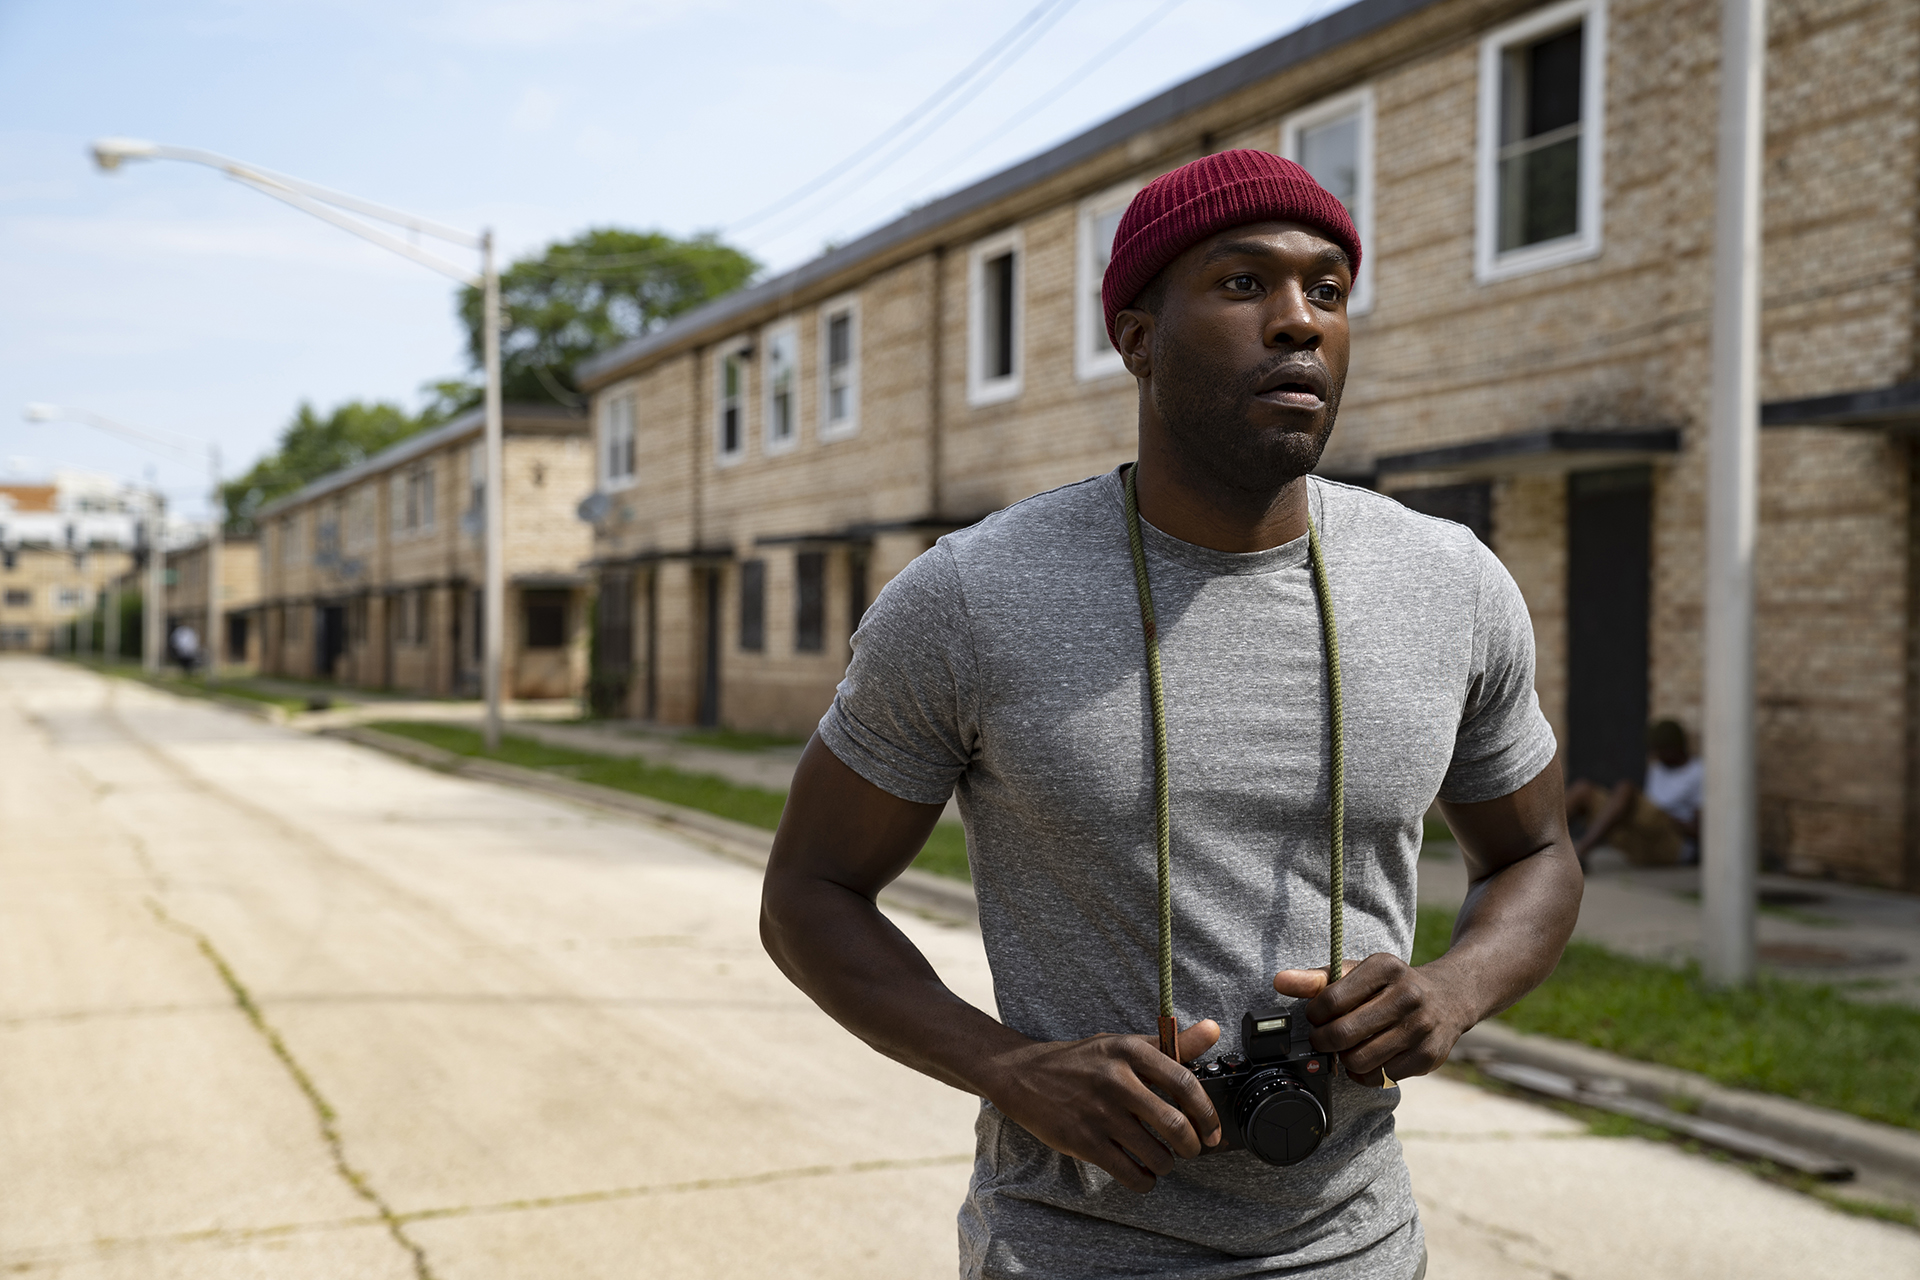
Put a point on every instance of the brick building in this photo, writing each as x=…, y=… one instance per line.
x=1535, y=188
x=239, y=596
x=372, y=576
x=62, y=543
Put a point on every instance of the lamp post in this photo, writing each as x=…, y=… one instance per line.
x=337, y=208
x=216, y=535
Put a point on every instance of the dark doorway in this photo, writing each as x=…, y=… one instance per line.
x=1469, y=504
x=612, y=644
x=1609, y=561
x=332, y=638
x=710, y=668
x=236, y=637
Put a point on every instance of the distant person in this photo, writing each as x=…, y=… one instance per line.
x=185, y=643
x=1656, y=824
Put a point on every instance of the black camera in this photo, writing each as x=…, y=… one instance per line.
x=1274, y=1097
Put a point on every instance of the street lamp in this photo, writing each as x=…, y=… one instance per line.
x=335, y=207
x=154, y=638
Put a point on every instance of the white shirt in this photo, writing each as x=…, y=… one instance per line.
x=1677, y=792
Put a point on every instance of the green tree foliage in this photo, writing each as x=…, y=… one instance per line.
x=582, y=296
x=313, y=445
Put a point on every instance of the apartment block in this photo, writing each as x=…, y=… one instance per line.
x=238, y=557
x=372, y=576
x=1535, y=188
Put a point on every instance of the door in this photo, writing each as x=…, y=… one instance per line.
x=332, y=638
x=710, y=667
x=1609, y=576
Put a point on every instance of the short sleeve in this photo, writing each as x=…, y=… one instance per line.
x=1503, y=741
x=905, y=717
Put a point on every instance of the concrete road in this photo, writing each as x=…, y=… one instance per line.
x=273, y=1005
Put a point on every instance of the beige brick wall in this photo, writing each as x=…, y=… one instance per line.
x=1618, y=340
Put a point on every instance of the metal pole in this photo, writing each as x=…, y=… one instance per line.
x=493, y=591
x=154, y=607
x=110, y=640
x=215, y=536
x=1730, y=824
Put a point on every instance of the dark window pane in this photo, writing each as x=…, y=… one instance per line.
x=839, y=340
x=730, y=430
x=546, y=616
x=999, y=317
x=809, y=604
x=1540, y=194
x=1553, y=83
x=753, y=605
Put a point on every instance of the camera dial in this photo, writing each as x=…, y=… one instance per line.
x=1280, y=1121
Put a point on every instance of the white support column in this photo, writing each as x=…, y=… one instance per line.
x=153, y=611
x=493, y=602
x=1730, y=846
x=216, y=536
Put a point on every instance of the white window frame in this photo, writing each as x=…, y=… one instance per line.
x=770, y=338
x=983, y=390
x=1489, y=263
x=1090, y=316
x=1360, y=101
x=740, y=349
x=617, y=442
x=848, y=306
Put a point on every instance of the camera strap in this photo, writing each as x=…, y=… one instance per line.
x=1162, y=790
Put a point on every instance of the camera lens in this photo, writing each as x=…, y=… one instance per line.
x=1280, y=1121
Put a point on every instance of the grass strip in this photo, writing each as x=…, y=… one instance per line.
x=1798, y=1039
x=945, y=852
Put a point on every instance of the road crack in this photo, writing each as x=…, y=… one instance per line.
x=324, y=1114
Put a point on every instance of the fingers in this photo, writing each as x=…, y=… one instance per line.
x=1198, y=1038
x=1383, y=1014
x=1185, y=1117
x=1302, y=984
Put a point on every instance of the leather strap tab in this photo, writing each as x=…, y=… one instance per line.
x=1170, y=1038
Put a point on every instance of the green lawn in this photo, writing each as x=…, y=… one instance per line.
x=945, y=852
x=1800, y=1039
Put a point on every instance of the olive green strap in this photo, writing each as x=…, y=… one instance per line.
x=1162, y=790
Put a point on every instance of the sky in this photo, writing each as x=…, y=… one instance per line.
x=171, y=299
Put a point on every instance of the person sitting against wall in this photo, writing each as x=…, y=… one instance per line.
x=1655, y=824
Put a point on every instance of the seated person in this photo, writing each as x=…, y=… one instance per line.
x=1655, y=825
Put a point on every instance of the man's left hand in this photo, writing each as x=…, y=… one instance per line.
x=1384, y=1015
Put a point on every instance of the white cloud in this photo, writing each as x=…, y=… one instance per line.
x=535, y=112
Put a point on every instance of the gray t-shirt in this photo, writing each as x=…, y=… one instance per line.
x=1008, y=662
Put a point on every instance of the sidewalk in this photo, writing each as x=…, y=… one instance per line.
x=1866, y=941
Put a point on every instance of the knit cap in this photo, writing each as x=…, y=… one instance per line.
x=1227, y=189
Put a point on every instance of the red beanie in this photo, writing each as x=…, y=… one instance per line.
x=1177, y=210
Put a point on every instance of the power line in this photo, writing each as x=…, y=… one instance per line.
x=1045, y=100
x=1050, y=9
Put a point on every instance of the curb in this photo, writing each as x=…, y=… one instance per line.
x=938, y=897
x=1880, y=1148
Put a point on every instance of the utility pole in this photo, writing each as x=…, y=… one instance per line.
x=493, y=597
x=1730, y=847
x=153, y=610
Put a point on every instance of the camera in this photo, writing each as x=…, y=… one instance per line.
x=1274, y=1097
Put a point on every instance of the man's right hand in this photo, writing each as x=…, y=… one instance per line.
x=1096, y=1100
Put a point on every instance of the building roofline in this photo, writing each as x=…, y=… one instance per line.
x=1210, y=86
x=472, y=422
x=1550, y=449
x=1897, y=405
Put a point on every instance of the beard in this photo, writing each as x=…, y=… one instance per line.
x=1207, y=408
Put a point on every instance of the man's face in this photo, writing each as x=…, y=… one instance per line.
x=1245, y=356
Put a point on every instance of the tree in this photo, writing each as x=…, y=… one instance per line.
x=582, y=296
x=313, y=446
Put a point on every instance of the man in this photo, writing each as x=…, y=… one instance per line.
x=185, y=642
x=1010, y=662
x=1655, y=826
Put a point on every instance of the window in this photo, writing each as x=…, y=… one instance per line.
x=781, y=416
x=753, y=605
x=993, y=363
x=809, y=601
x=1333, y=141
x=1093, y=353
x=616, y=443
x=1542, y=89
x=730, y=399
x=545, y=616
x=290, y=540
x=839, y=369
x=19, y=598
x=69, y=598
x=413, y=500
x=418, y=611
x=476, y=484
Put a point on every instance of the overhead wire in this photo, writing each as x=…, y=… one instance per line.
x=907, y=121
